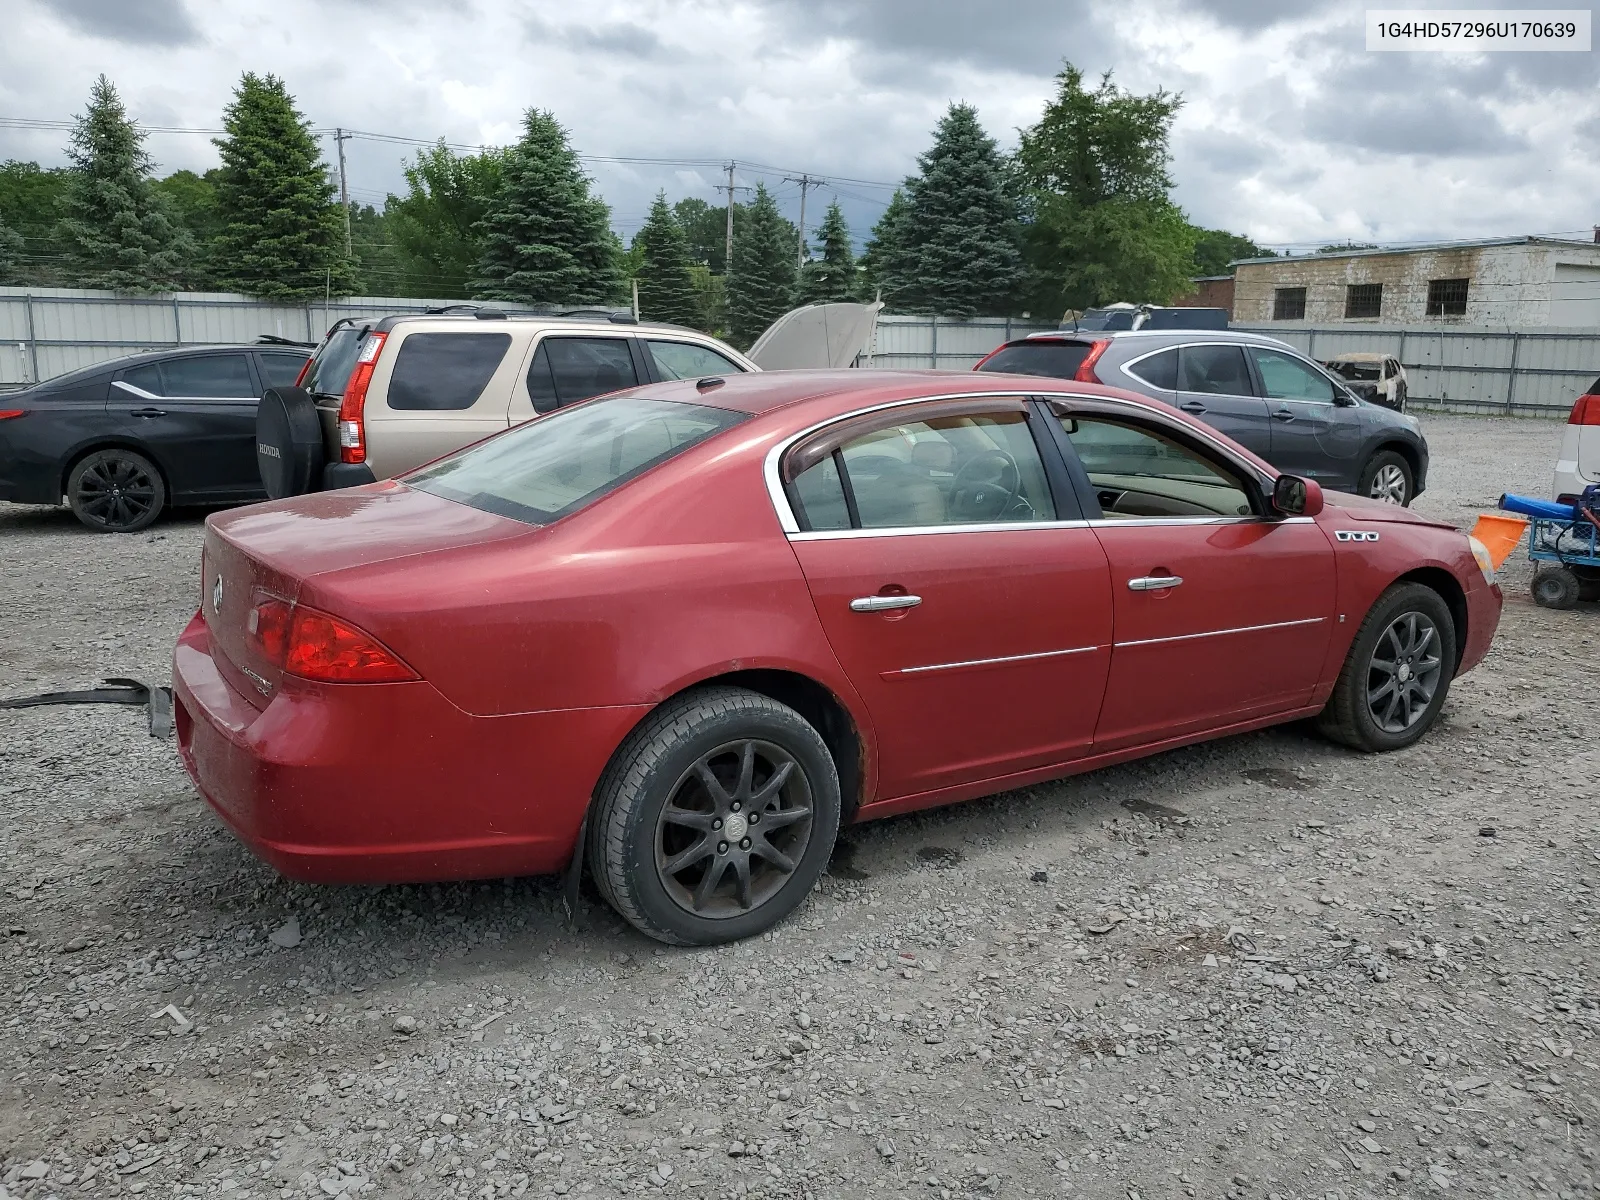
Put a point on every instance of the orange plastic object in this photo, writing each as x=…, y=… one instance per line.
x=1499, y=535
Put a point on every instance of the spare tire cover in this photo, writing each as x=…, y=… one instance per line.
x=289, y=450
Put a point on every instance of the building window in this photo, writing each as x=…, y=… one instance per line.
x=1363, y=300
x=1288, y=304
x=1447, y=297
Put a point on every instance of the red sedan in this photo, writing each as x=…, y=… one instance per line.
x=681, y=634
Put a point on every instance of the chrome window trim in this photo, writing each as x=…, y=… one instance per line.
x=825, y=535
x=989, y=662
x=791, y=526
x=1210, y=633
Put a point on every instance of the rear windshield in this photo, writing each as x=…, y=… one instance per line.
x=1058, y=360
x=333, y=362
x=542, y=471
x=1355, y=370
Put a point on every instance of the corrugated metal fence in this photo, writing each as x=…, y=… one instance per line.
x=938, y=343
x=1533, y=373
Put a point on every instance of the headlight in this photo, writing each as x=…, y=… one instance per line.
x=1481, y=553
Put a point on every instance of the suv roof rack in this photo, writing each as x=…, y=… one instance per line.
x=440, y=311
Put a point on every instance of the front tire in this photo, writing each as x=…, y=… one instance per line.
x=1387, y=477
x=715, y=819
x=116, y=491
x=1397, y=673
x=1556, y=587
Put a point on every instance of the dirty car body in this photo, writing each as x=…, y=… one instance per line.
x=952, y=585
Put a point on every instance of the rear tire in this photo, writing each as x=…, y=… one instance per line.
x=116, y=491
x=715, y=818
x=1397, y=673
x=1387, y=477
x=1556, y=587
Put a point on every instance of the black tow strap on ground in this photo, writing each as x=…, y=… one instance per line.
x=157, y=701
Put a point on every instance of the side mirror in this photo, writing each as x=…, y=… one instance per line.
x=1296, y=497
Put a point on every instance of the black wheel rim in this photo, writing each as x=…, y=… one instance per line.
x=734, y=829
x=116, y=492
x=1405, y=671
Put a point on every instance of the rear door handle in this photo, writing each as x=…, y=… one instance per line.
x=871, y=604
x=1283, y=414
x=148, y=412
x=1192, y=406
x=1153, y=583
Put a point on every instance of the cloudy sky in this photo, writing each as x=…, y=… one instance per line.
x=1291, y=131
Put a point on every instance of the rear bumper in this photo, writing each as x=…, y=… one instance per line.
x=342, y=475
x=387, y=783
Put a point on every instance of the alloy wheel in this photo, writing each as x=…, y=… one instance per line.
x=1404, y=674
x=1389, y=484
x=734, y=829
x=116, y=492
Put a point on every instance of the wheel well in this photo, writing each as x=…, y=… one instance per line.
x=822, y=709
x=1406, y=452
x=1450, y=592
x=113, y=444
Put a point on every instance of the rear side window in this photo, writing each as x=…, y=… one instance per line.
x=146, y=378
x=685, y=360
x=565, y=370
x=1158, y=370
x=1214, y=371
x=543, y=470
x=213, y=375
x=333, y=362
x=280, y=370
x=445, y=371
x=1056, y=360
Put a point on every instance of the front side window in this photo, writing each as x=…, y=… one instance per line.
x=543, y=470
x=1214, y=371
x=685, y=360
x=566, y=370
x=211, y=376
x=1284, y=377
x=1141, y=471
x=948, y=470
x=444, y=372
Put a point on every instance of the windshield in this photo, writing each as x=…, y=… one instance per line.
x=333, y=362
x=553, y=466
x=1056, y=360
x=1356, y=370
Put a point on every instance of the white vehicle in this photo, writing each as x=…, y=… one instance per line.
x=1579, y=462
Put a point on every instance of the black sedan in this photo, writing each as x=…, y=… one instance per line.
x=121, y=440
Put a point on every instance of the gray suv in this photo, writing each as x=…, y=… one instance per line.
x=1259, y=391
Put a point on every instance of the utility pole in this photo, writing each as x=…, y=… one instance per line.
x=805, y=181
x=339, y=136
x=727, y=261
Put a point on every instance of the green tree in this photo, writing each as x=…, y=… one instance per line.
x=961, y=241
x=436, y=228
x=1103, y=226
x=710, y=298
x=705, y=231
x=1341, y=247
x=761, y=276
x=282, y=235
x=31, y=204
x=833, y=276
x=11, y=252
x=547, y=240
x=883, y=260
x=191, y=201
x=116, y=233
x=1214, y=249
x=666, y=289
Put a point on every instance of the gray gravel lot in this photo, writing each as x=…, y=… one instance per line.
x=1261, y=967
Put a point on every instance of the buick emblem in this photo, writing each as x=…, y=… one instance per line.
x=216, y=595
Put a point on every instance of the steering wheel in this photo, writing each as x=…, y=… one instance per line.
x=988, y=486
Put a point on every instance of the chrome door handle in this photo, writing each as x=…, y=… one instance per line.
x=883, y=603
x=1154, y=583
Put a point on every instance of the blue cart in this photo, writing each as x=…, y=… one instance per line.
x=1564, y=544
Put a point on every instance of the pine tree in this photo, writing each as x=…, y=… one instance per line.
x=833, y=276
x=761, y=276
x=883, y=266
x=666, y=290
x=116, y=233
x=282, y=234
x=547, y=240
x=11, y=246
x=962, y=238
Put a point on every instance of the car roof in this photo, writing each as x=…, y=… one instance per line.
x=1156, y=337
x=494, y=318
x=123, y=361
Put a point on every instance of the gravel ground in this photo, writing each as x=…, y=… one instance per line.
x=1262, y=967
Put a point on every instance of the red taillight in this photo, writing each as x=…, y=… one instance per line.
x=314, y=645
x=1586, y=411
x=7, y=414
x=1085, y=372
x=352, y=430
x=305, y=369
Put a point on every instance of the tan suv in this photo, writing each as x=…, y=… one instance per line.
x=379, y=399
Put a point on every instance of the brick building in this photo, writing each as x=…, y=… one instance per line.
x=1518, y=282
x=1211, y=291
